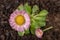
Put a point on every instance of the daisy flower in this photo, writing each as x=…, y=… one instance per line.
x=39, y=33
x=26, y=19
x=19, y=20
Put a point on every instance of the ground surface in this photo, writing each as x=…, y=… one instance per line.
x=53, y=19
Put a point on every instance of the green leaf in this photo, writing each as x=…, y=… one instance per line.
x=40, y=18
x=27, y=31
x=42, y=24
x=34, y=26
x=35, y=9
x=20, y=7
x=21, y=33
x=27, y=8
x=32, y=30
x=43, y=13
x=39, y=23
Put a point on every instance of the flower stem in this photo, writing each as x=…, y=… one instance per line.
x=47, y=28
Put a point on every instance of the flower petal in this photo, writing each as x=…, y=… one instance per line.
x=20, y=29
x=26, y=25
x=27, y=21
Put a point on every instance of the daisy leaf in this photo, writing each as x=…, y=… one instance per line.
x=35, y=9
x=43, y=13
x=34, y=25
x=42, y=24
x=40, y=18
x=27, y=8
x=32, y=30
x=20, y=7
x=21, y=33
x=27, y=31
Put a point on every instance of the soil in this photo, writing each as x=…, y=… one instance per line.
x=53, y=19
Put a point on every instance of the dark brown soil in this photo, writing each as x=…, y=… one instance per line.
x=53, y=19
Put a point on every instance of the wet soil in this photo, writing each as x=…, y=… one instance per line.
x=53, y=19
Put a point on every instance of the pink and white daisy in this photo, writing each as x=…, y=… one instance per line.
x=19, y=20
x=39, y=33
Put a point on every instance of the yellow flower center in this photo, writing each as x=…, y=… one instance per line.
x=20, y=20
